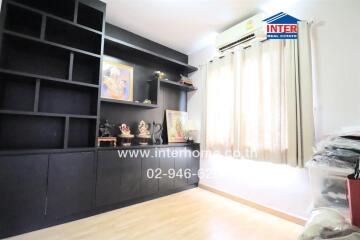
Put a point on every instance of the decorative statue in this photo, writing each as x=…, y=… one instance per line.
x=144, y=133
x=105, y=129
x=156, y=133
x=147, y=101
x=125, y=135
x=105, y=134
x=160, y=75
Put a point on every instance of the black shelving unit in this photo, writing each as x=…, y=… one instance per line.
x=178, y=85
x=148, y=54
x=128, y=103
x=49, y=74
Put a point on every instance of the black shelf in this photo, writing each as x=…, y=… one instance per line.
x=63, y=9
x=44, y=151
x=23, y=21
x=135, y=104
x=178, y=85
x=14, y=88
x=49, y=43
x=44, y=114
x=30, y=132
x=148, y=146
x=46, y=78
x=45, y=14
x=72, y=36
x=81, y=133
x=90, y=17
x=125, y=46
x=67, y=99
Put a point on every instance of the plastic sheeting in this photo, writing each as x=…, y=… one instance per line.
x=326, y=223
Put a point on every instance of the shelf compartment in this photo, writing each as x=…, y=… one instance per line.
x=64, y=9
x=86, y=69
x=31, y=132
x=17, y=93
x=135, y=104
x=178, y=85
x=21, y=54
x=81, y=133
x=90, y=17
x=113, y=44
x=67, y=99
x=42, y=77
x=72, y=36
x=23, y=21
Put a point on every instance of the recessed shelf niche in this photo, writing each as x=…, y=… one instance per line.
x=31, y=132
x=67, y=99
x=90, y=17
x=86, y=69
x=28, y=56
x=81, y=133
x=23, y=21
x=17, y=93
x=72, y=36
x=61, y=8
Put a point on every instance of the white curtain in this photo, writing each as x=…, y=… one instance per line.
x=259, y=102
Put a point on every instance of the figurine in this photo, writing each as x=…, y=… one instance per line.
x=156, y=133
x=185, y=80
x=160, y=75
x=125, y=135
x=105, y=129
x=144, y=133
x=105, y=134
x=147, y=101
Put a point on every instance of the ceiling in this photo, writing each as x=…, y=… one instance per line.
x=184, y=25
x=188, y=25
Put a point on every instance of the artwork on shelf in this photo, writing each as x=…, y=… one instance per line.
x=117, y=80
x=176, y=122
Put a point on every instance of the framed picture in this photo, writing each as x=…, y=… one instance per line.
x=117, y=80
x=176, y=122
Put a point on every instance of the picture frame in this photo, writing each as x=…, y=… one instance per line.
x=175, y=124
x=117, y=80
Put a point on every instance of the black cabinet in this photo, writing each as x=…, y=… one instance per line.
x=194, y=164
x=149, y=184
x=181, y=165
x=71, y=183
x=118, y=178
x=130, y=177
x=167, y=164
x=22, y=192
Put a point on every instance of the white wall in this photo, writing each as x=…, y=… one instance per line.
x=336, y=40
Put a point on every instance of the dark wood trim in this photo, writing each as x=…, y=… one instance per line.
x=37, y=93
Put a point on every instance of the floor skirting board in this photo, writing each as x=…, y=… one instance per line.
x=254, y=205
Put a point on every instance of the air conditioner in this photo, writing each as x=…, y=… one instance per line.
x=244, y=33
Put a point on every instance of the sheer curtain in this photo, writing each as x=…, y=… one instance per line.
x=259, y=102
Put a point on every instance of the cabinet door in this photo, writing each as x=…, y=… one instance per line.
x=118, y=178
x=149, y=185
x=108, y=178
x=165, y=182
x=181, y=164
x=194, y=165
x=71, y=183
x=22, y=192
x=130, y=177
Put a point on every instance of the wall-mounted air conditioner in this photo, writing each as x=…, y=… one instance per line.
x=244, y=33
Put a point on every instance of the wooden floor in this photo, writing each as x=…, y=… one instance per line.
x=190, y=215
